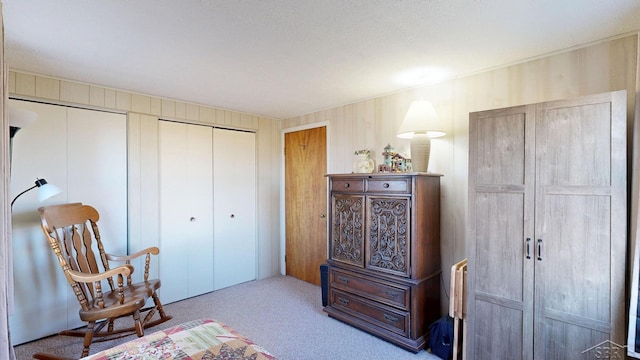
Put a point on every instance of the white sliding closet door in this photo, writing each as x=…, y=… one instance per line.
x=186, y=210
x=207, y=209
x=97, y=168
x=40, y=288
x=235, y=207
x=84, y=153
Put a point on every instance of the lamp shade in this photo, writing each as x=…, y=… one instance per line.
x=420, y=124
x=20, y=118
x=46, y=190
x=421, y=118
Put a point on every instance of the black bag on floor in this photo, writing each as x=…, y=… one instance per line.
x=441, y=339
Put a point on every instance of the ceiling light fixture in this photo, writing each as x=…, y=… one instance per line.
x=421, y=76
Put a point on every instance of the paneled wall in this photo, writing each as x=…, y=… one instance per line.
x=143, y=112
x=372, y=124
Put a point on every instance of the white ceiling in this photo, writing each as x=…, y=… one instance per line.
x=283, y=58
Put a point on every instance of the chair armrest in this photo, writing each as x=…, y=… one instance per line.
x=124, y=270
x=147, y=252
x=150, y=250
x=93, y=281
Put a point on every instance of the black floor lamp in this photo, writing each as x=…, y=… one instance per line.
x=19, y=118
x=45, y=191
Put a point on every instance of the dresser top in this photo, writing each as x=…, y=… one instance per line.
x=385, y=175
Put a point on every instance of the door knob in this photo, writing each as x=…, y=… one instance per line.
x=322, y=216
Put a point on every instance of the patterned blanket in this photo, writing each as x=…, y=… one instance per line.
x=196, y=340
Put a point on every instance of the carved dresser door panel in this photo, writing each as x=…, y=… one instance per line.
x=388, y=234
x=347, y=237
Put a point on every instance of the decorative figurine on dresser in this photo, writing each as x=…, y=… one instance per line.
x=384, y=254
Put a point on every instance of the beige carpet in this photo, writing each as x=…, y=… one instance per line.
x=282, y=314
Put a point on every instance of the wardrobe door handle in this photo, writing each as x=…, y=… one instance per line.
x=539, y=249
x=528, y=248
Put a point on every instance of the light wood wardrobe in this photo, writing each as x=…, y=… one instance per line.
x=547, y=229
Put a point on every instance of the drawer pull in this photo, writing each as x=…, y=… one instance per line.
x=343, y=279
x=346, y=185
x=391, y=319
x=392, y=294
x=343, y=301
x=385, y=185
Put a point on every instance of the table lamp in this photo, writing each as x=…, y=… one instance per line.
x=420, y=124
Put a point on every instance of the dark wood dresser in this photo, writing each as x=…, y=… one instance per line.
x=384, y=254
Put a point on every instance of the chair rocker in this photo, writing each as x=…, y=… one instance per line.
x=73, y=235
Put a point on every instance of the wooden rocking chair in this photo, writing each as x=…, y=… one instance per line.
x=73, y=235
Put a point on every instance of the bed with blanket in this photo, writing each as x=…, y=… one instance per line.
x=203, y=339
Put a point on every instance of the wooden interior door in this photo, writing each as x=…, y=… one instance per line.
x=580, y=225
x=306, y=203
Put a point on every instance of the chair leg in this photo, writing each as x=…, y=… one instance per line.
x=158, y=303
x=138, y=324
x=88, y=337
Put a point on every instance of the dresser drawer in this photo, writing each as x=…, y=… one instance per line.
x=381, y=291
x=347, y=185
x=395, y=186
x=371, y=312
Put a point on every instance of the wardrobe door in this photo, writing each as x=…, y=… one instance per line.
x=580, y=224
x=235, y=207
x=186, y=210
x=500, y=273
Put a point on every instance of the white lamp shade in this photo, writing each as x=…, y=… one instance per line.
x=21, y=118
x=47, y=191
x=420, y=124
x=421, y=118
